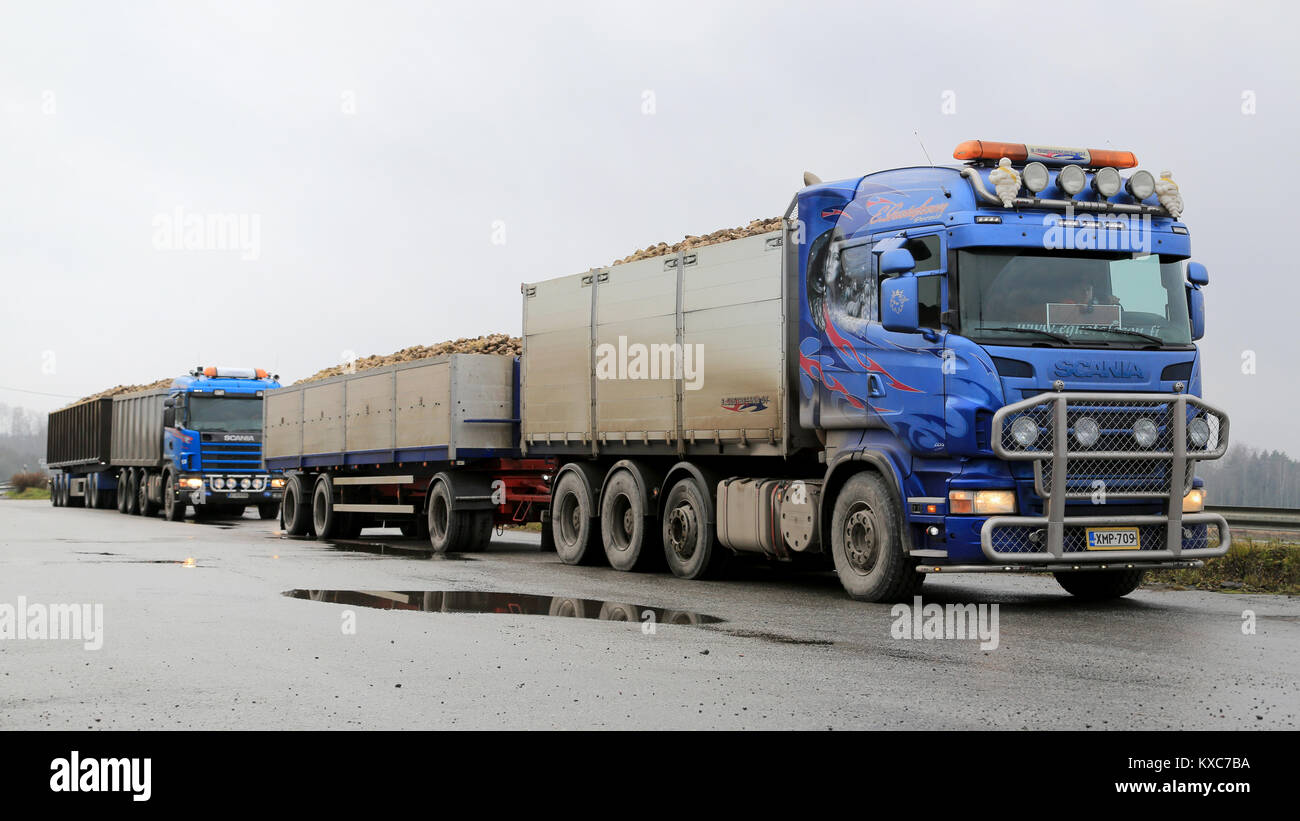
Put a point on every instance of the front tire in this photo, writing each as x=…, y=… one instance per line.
x=173, y=508
x=1100, y=585
x=867, y=543
x=268, y=511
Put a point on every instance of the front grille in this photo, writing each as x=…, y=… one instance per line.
x=1032, y=539
x=231, y=457
x=1113, y=461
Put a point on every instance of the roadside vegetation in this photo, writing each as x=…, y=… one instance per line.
x=1249, y=567
x=28, y=485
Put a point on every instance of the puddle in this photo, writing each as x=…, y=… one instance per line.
x=187, y=562
x=524, y=604
x=417, y=548
x=776, y=637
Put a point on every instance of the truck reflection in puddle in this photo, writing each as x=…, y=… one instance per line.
x=523, y=604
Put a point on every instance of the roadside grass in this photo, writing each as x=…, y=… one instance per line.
x=1248, y=567
x=527, y=527
x=29, y=493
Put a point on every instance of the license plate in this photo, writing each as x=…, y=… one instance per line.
x=236, y=495
x=1114, y=538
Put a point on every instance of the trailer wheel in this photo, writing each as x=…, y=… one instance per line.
x=690, y=541
x=1100, y=585
x=451, y=530
x=90, y=490
x=571, y=522
x=295, y=507
x=123, y=491
x=324, y=519
x=146, y=505
x=867, y=544
x=55, y=499
x=625, y=531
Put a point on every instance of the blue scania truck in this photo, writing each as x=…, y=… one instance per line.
x=987, y=366
x=197, y=442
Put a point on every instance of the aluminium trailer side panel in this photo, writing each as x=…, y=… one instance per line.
x=447, y=407
x=138, y=429
x=80, y=435
x=722, y=312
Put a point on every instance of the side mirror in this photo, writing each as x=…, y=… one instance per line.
x=169, y=417
x=899, y=308
x=169, y=402
x=1196, y=274
x=896, y=261
x=1196, y=310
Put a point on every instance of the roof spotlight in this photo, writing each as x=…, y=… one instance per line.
x=1071, y=179
x=1106, y=182
x=1035, y=177
x=1141, y=185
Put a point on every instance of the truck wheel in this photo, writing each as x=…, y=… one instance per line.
x=133, y=492
x=146, y=505
x=480, y=531
x=450, y=530
x=325, y=521
x=628, y=536
x=90, y=490
x=690, y=542
x=571, y=522
x=268, y=511
x=173, y=508
x=1100, y=585
x=866, y=542
x=295, y=507
x=124, y=491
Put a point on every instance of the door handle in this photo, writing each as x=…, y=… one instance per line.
x=875, y=385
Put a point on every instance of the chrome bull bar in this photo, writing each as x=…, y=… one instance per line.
x=1159, y=470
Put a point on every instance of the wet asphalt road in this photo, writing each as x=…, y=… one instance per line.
x=213, y=643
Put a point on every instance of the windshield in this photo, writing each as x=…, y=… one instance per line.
x=225, y=413
x=1021, y=297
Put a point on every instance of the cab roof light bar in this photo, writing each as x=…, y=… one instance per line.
x=990, y=152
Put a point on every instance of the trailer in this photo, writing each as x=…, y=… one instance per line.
x=430, y=446
x=79, y=448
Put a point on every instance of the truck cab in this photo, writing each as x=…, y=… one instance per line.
x=212, y=442
x=1010, y=342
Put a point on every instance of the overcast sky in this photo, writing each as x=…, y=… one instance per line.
x=378, y=153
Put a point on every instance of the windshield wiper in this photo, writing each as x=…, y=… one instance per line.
x=1048, y=334
x=1127, y=331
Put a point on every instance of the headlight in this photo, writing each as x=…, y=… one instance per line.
x=1198, y=431
x=1086, y=431
x=1145, y=432
x=1034, y=176
x=193, y=483
x=985, y=502
x=277, y=483
x=245, y=484
x=218, y=483
x=1025, y=431
x=1194, y=501
x=1106, y=182
x=1141, y=185
x=1071, y=179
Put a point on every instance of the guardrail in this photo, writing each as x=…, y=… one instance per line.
x=1284, y=519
